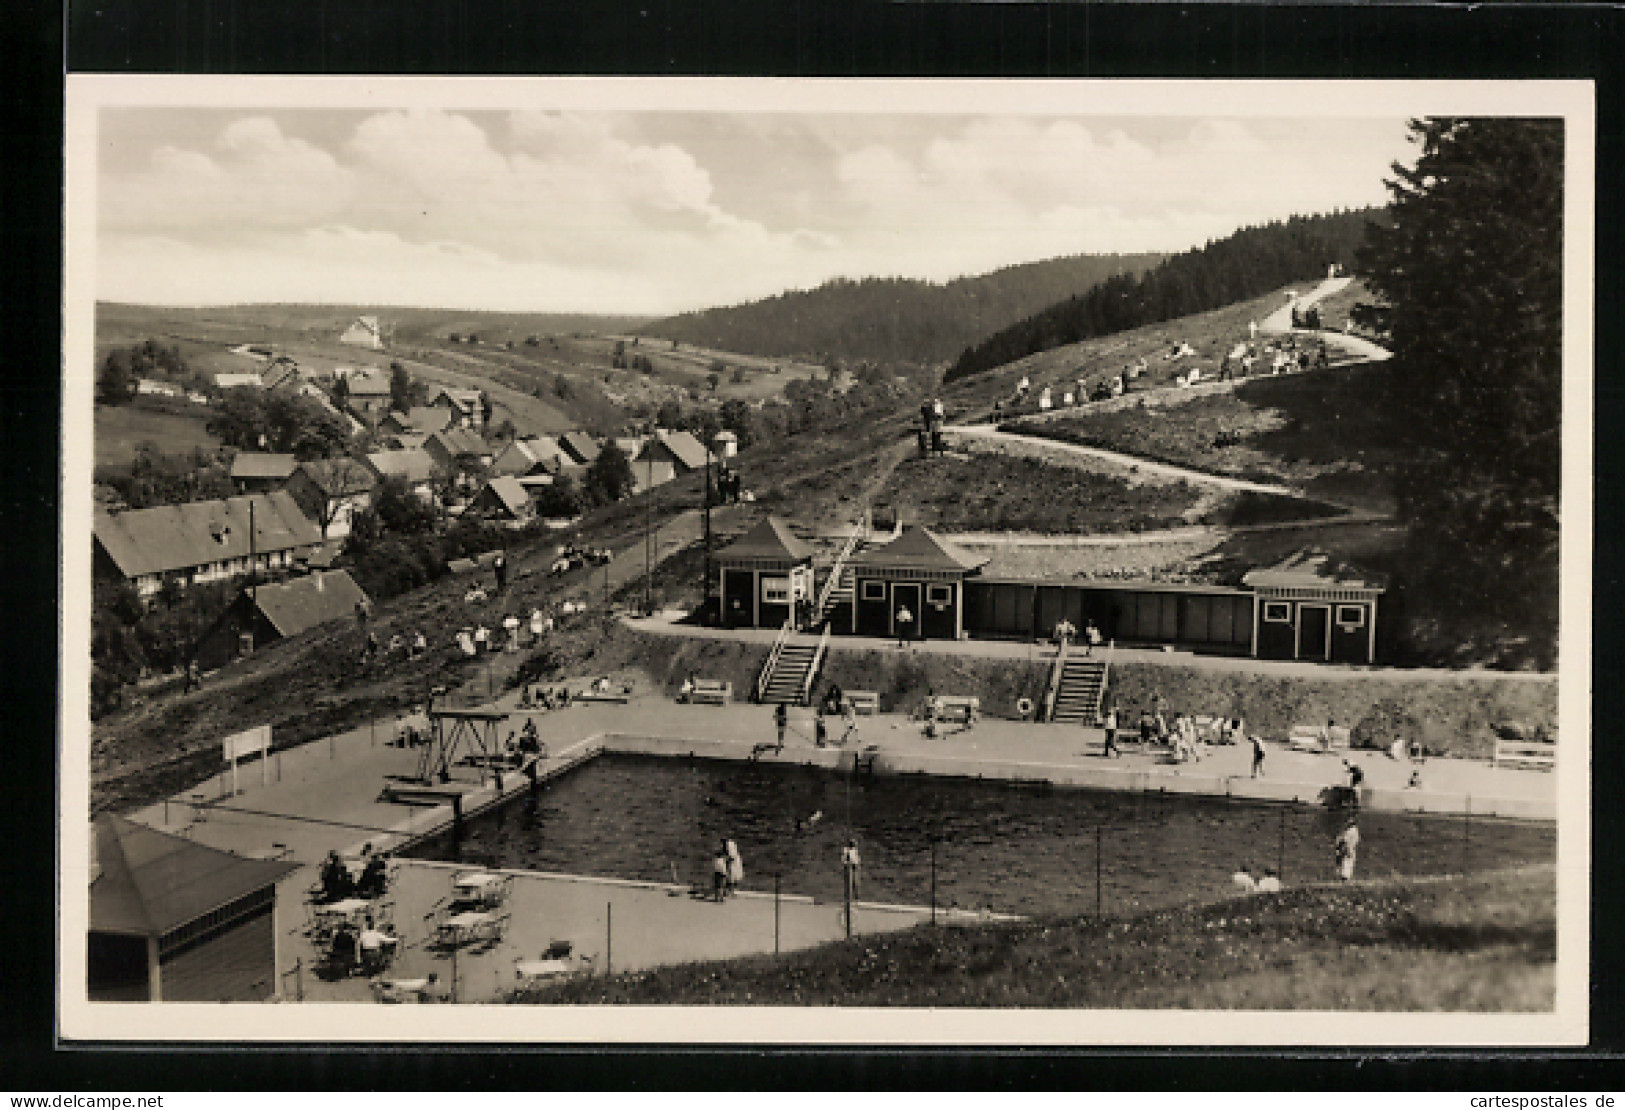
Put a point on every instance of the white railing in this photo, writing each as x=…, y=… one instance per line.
x=812, y=669
x=773, y=657
x=1053, y=689
x=833, y=582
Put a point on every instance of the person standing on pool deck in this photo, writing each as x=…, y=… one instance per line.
x=1110, y=751
x=736, y=866
x=852, y=865
x=1258, y=756
x=820, y=730
x=781, y=719
x=1345, y=849
x=719, y=874
x=904, y=620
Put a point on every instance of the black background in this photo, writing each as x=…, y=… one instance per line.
x=807, y=39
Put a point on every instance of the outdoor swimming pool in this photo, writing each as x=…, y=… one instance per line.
x=1012, y=848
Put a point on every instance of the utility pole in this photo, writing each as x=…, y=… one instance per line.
x=648, y=526
x=705, y=592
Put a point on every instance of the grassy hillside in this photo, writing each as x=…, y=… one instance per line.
x=120, y=429
x=1482, y=943
x=894, y=319
x=1324, y=433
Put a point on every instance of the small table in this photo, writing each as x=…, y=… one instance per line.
x=461, y=928
x=532, y=971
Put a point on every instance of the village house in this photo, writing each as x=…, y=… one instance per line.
x=238, y=381
x=331, y=492
x=415, y=467
x=465, y=406
x=282, y=374
x=369, y=395
x=201, y=541
x=453, y=447
x=505, y=501
x=365, y=331
x=685, y=453
x=148, y=387
x=260, y=471
x=532, y=455
x=262, y=615
x=647, y=474
x=422, y=420
x=579, y=448
x=174, y=921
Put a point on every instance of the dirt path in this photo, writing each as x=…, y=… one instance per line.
x=1279, y=322
x=1161, y=536
x=1125, y=461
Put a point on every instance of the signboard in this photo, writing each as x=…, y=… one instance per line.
x=241, y=745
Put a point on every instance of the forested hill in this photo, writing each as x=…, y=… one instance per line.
x=894, y=319
x=1247, y=264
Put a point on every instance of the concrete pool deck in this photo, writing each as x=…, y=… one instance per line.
x=328, y=796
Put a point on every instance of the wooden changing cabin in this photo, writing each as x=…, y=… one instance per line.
x=763, y=573
x=1312, y=608
x=917, y=571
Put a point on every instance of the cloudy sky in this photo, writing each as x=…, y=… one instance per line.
x=658, y=212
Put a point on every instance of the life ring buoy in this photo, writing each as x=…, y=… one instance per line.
x=1025, y=707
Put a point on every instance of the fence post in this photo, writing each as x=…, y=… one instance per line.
x=1100, y=840
x=933, y=880
x=1280, y=849
x=1467, y=837
x=848, y=903
x=775, y=913
x=299, y=979
x=454, y=947
x=609, y=938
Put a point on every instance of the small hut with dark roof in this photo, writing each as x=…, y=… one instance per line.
x=763, y=573
x=174, y=921
x=1311, y=607
x=917, y=571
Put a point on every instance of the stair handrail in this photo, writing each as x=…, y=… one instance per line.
x=1052, y=689
x=773, y=657
x=832, y=583
x=1105, y=677
x=812, y=669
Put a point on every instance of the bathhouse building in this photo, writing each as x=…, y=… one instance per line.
x=762, y=574
x=918, y=571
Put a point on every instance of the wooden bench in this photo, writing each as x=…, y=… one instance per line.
x=1309, y=738
x=959, y=708
x=711, y=691
x=611, y=696
x=1539, y=754
x=863, y=702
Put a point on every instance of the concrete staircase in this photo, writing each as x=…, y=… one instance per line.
x=784, y=683
x=1082, y=687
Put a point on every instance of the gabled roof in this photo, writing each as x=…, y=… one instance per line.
x=174, y=537
x=468, y=400
x=260, y=464
x=681, y=447
x=426, y=419
x=412, y=464
x=1312, y=569
x=509, y=493
x=305, y=602
x=339, y=477
x=235, y=381
x=459, y=441
x=580, y=446
x=147, y=883
x=919, y=549
x=369, y=383
x=770, y=538
x=283, y=371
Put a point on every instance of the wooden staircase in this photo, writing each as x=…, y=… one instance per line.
x=838, y=585
x=1081, y=689
x=789, y=673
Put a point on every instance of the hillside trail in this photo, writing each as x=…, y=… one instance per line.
x=1279, y=322
x=1128, y=462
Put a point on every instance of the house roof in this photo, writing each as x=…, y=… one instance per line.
x=646, y=474
x=509, y=493
x=261, y=464
x=173, y=537
x=518, y=458
x=770, y=538
x=1312, y=569
x=683, y=448
x=413, y=464
x=147, y=883
x=919, y=549
x=309, y=600
x=339, y=477
x=233, y=381
x=369, y=383
x=426, y=419
x=465, y=399
x=580, y=446
x=459, y=441
x=282, y=371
